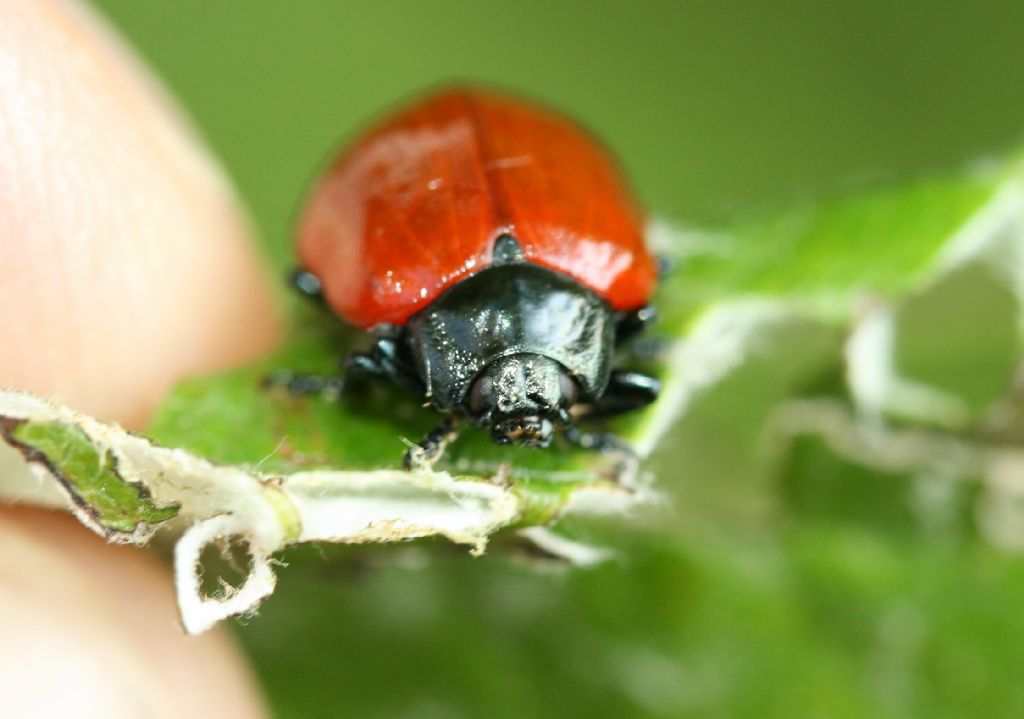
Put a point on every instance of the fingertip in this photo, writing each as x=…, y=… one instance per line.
x=90, y=629
x=126, y=260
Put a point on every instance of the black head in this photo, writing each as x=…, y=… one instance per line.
x=522, y=397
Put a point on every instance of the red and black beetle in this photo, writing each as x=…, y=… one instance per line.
x=495, y=252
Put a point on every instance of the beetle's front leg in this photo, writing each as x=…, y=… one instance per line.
x=630, y=329
x=630, y=324
x=603, y=442
x=385, y=359
x=429, y=449
x=304, y=385
x=627, y=461
x=626, y=391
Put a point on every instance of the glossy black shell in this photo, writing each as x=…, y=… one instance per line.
x=509, y=309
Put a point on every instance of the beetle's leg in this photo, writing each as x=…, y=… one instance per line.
x=630, y=324
x=385, y=359
x=627, y=460
x=306, y=283
x=302, y=385
x=429, y=449
x=597, y=441
x=626, y=391
x=627, y=330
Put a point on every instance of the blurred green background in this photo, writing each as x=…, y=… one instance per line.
x=748, y=598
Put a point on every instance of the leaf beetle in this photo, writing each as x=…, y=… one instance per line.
x=495, y=252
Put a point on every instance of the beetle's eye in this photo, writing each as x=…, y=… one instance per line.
x=568, y=387
x=480, y=394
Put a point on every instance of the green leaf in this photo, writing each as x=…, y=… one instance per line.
x=90, y=476
x=123, y=486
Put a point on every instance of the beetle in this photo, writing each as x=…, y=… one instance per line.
x=494, y=251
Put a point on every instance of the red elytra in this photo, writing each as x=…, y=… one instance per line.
x=415, y=205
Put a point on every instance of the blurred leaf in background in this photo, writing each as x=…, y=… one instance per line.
x=823, y=584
